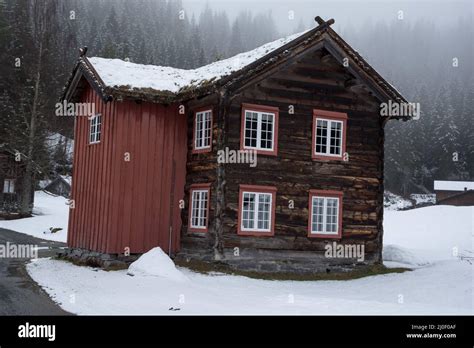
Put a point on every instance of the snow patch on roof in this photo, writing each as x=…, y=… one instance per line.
x=119, y=73
x=67, y=178
x=440, y=185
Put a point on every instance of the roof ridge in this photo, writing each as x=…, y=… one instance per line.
x=117, y=78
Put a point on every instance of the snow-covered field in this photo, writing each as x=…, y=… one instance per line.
x=49, y=212
x=429, y=240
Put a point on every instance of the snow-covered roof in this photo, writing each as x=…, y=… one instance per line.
x=66, y=178
x=119, y=73
x=440, y=185
x=115, y=79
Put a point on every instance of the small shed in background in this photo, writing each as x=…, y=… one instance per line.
x=60, y=186
x=459, y=193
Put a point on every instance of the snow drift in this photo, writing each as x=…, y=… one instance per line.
x=395, y=253
x=157, y=264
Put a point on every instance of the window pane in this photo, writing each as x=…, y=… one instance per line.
x=195, y=209
x=258, y=132
x=200, y=201
x=95, y=129
x=321, y=136
x=207, y=130
x=264, y=206
x=266, y=139
x=251, y=126
x=248, y=210
x=332, y=215
x=336, y=137
x=318, y=214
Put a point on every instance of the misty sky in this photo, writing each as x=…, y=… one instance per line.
x=345, y=12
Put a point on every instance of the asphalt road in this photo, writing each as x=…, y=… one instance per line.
x=19, y=294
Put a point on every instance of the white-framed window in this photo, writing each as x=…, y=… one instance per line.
x=199, y=209
x=325, y=215
x=95, y=129
x=9, y=186
x=329, y=137
x=256, y=211
x=259, y=130
x=202, y=130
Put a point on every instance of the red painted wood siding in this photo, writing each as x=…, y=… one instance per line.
x=120, y=204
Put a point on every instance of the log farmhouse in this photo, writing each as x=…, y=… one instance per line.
x=153, y=166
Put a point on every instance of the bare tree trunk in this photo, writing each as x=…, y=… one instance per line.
x=26, y=207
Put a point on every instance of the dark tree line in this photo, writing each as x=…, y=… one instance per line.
x=431, y=65
x=43, y=36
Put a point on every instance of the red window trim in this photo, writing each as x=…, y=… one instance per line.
x=257, y=189
x=325, y=193
x=260, y=108
x=192, y=188
x=194, y=150
x=329, y=115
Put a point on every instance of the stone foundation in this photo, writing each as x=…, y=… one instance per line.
x=97, y=259
x=279, y=261
x=250, y=260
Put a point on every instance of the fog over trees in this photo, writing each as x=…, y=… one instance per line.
x=430, y=63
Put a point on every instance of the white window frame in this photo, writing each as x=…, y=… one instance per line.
x=9, y=186
x=325, y=215
x=201, y=133
x=328, y=137
x=95, y=129
x=256, y=212
x=259, y=130
x=202, y=212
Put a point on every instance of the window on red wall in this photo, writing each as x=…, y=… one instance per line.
x=95, y=129
x=199, y=198
x=256, y=210
x=259, y=129
x=329, y=135
x=202, y=136
x=325, y=214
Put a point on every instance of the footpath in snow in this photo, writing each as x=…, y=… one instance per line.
x=428, y=240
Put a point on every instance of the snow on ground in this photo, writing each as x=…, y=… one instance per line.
x=116, y=72
x=435, y=233
x=422, y=238
x=444, y=288
x=48, y=212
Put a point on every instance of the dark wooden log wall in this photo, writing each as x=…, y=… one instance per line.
x=201, y=168
x=316, y=81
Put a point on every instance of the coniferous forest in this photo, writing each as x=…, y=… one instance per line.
x=430, y=65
